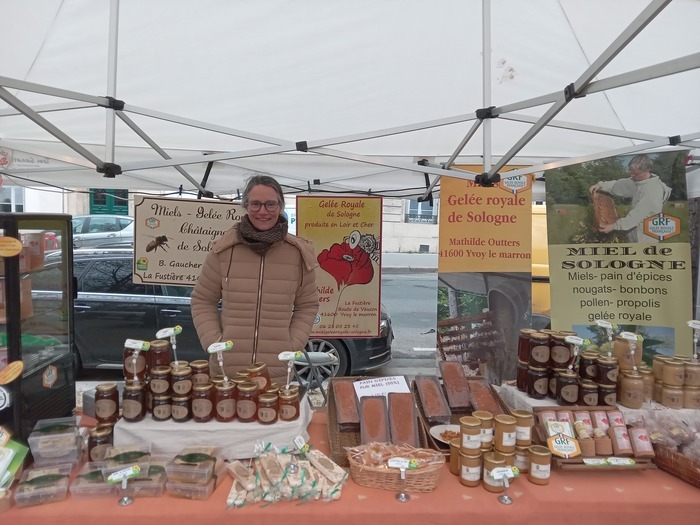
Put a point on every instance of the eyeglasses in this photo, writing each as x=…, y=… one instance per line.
x=269, y=205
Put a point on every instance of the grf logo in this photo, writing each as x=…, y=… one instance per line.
x=662, y=226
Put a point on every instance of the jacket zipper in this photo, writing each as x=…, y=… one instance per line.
x=257, y=310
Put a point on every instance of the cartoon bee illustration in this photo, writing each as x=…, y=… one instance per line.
x=159, y=242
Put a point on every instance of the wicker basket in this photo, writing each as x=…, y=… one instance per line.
x=677, y=464
x=338, y=441
x=420, y=480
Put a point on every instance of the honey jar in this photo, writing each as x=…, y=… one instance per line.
x=560, y=353
x=524, y=421
x=470, y=431
x=553, y=378
x=225, y=401
x=521, y=376
x=181, y=381
x=486, y=422
x=522, y=458
x=524, y=344
x=657, y=366
x=588, y=394
x=607, y=371
x=200, y=371
x=504, y=433
x=260, y=375
x=99, y=441
x=247, y=403
x=267, y=408
x=691, y=373
x=607, y=395
x=648, y=381
x=162, y=409
x=631, y=389
x=454, y=456
x=202, y=402
x=159, y=384
x=672, y=395
x=289, y=404
x=159, y=354
x=673, y=372
x=540, y=465
x=181, y=408
x=588, y=366
x=134, y=401
x=135, y=362
x=106, y=403
x=491, y=461
x=539, y=350
x=567, y=388
x=627, y=352
x=470, y=470
x=537, y=382
x=691, y=397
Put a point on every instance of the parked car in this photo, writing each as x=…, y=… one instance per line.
x=110, y=308
x=102, y=230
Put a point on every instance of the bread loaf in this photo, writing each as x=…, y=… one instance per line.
x=347, y=413
x=435, y=406
x=456, y=385
x=374, y=420
x=403, y=423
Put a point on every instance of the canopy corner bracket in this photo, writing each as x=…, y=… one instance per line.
x=114, y=103
x=674, y=140
x=487, y=181
x=484, y=113
x=303, y=146
x=570, y=93
x=109, y=169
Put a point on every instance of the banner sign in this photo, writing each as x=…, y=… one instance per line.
x=619, y=249
x=485, y=265
x=346, y=232
x=172, y=237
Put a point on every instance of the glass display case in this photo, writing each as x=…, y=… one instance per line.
x=36, y=327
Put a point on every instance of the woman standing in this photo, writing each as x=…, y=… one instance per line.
x=264, y=278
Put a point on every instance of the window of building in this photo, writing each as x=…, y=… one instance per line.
x=11, y=199
x=421, y=212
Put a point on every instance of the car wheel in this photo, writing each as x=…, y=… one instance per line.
x=339, y=367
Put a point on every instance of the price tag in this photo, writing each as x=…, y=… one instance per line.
x=136, y=344
x=288, y=356
x=502, y=472
x=630, y=336
x=620, y=462
x=604, y=324
x=220, y=347
x=694, y=324
x=403, y=463
x=126, y=473
x=168, y=332
x=573, y=340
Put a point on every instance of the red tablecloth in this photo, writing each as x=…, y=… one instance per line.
x=599, y=498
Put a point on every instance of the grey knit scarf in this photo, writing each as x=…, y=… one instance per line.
x=259, y=241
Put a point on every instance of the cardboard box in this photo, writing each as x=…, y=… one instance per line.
x=34, y=242
x=26, y=310
x=23, y=262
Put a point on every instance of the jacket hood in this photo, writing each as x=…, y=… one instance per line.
x=305, y=247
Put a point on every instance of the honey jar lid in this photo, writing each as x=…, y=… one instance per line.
x=199, y=363
x=134, y=385
x=539, y=335
x=257, y=367
x=159, y=344
x=247, y=387
x=106, y=387
x=182, y=371
x=268, y=398
x=101, y=431
x=201, y=387
x=160, y=370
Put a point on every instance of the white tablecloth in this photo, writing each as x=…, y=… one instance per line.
x=235, y=440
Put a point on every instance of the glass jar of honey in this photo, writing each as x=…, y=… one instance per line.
x=225, y=401
x=537, y=382
x=521, y=376
x=673, y=372
x=567, y=388
x=134, y=401
x=267, y=408
x=200, y=371
x=631, y=389
x=539, y=350
x=162, y=409
x=181, y=381
x=99, y=441
x=588, y=394
x=588, y=366
x=553, y=377
x=159, y=384
x=648, y=381
x=159, y=354
x=289, y=404
x=135, y=361
x=691, y=397
x=607, y=395
x=627, y=352
x=247, y=404
x=524, y=344
x=691, y=373
x=106, y=403
x=202, y=403
x=260, y=375
x=672, y=396
x=560, y=355
x=607, y=371
x=181, y=408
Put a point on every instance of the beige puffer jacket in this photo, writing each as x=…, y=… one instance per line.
x=268, y=303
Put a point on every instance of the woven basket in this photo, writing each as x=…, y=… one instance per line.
x=677, y=464
x=339, y=441
x=419, y=480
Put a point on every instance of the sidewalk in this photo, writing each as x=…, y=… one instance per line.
x=409, y=262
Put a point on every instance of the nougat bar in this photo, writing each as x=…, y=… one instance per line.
x=403, y=423
x=435, y=406
x=374, y=420
x=347, y=413
x=456, y=385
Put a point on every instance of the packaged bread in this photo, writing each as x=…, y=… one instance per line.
x=403, y=419
x=641, y=442
x=621, y=443
x=242, y=474
x=374, y=419
x=329, y=468
x=456, y=385
x=346, y=409
x=435, y=406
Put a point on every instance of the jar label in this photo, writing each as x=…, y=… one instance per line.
x=471, y=441
x=592, y=371
x=180, y=412
x=288, y=412
x=523, y=433
x=539, y=354
x=182, y=387
x=490, y=480
x=159, y=386
x=486, y=435
x=267, y=414
x=97, y=453
x=226, y=408
x=508, y=439
x=201, y=408
x=569, y=393
x=131, y=409
x=163, y=411
x=612, y=375
x=471, y=473
x=260, y=381
x=134, y=366
x=610, y=399
x=539, y=471
x=560, y=355
x=105, y=408
x=553, y=386
x=246, y=409
x=200, y=379
x=541, y=385
x=590, y=399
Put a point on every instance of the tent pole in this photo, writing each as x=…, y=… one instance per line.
x=112, y=76
x=486, y=77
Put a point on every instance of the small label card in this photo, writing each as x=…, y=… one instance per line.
x=380, y=386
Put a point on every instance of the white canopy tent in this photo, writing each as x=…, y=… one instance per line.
x=341, y=96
